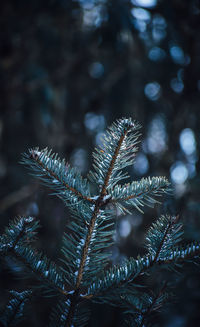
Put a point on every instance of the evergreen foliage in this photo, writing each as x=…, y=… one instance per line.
x=14, y=311
x=85, y=273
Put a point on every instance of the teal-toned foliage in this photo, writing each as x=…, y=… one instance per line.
x=14, y=311
x=85, y=273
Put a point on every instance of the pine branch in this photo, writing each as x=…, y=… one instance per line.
x=47, y=272
x=84, y=255
x=117, y=277
x=58, y=175
x=16, y=241
x=119, y=148
x=161, y=239
x=182, y=254
x=109, y=287
x=106, y=172
x=13, y=314
x=60, y=314
x=164, y=234
x=155, y=302
x=139, y=305
x=114, y=159
x=140, y=193
x=97, y=257
x=21, y=230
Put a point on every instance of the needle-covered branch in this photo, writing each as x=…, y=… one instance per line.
x=118, y=151
x=66, y=182
x=139, y=194
x=119, y=155
x=162, y=243
x=16, y=241
x=84, y=272
x=14, y=313
x=21, y=231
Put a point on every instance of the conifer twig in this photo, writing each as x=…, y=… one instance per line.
x=172, y=222
x=37, y=273
x=98, y=203
x=34, y=156
x=151, y=307
x=110, y=169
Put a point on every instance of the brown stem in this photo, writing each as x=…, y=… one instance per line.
x=82, y=264
x=112, y=163
x=98, y=204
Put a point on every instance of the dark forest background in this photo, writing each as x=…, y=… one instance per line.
x=67, y=70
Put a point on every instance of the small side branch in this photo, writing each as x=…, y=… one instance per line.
x=39, y=274
x=131, y=271
x=152, y=306
x=167, y=231
x=135, y=196
x=35, y=157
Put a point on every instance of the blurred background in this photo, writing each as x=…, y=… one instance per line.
x=67, y=70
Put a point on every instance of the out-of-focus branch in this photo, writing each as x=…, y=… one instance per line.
x=16, y=196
